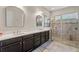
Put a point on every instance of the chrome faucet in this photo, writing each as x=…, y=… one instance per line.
x=18, y=32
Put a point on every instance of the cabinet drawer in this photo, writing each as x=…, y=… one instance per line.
x=15, y=47
x=37, y=34
x=47, y=33
x=28, y=44
x=10, y=41
x=36, y=39
x=42, y=40
x=36, y=44
x=43, y=33
x=47, y=38
x=28, y=36
x=43, y=37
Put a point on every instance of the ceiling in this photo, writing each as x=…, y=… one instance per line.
x=52, y=8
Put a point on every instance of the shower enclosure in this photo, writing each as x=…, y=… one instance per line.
x=66, y=29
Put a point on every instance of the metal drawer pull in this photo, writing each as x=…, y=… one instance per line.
x=20, y=43
x=23, y=42
x=1, y=44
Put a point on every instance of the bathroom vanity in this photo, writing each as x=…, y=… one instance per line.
x=25, y=42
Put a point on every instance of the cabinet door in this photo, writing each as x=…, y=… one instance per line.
x=15, y=47
x=42, y=37
x=27, y=44
x=36, y=44
x=36, y=40
x=47, y=36
x=37, y=37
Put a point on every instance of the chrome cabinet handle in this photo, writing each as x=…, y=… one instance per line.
x=0, y=43
x=20, y=43
x=23, y=42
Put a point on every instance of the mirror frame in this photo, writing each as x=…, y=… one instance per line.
x=46, y=19
x=38, y=20
x=6, y=16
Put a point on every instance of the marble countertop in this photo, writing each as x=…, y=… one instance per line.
x=8, y=36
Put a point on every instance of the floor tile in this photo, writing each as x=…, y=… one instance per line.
x=39, y=49
x=45, y=45
x=54, y=46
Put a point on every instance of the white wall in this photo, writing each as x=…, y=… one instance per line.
x=29, y=23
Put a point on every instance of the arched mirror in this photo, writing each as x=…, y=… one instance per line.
x=46, y=21
x=14, y=17
x=39, y=21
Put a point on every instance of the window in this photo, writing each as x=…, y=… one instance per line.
x=70, y=16
x=57, y=17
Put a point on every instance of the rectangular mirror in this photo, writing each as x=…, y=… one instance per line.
x=14, y=17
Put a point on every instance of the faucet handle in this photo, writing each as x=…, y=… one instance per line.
x=18, y=31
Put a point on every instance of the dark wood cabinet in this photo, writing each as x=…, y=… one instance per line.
x=11, y=45
x=15, y=47
x=36, y=41
x=28, y=43
x=36, y=44
x=43, y=35
x=24, y=43
x=10, y=41
x=47, y=36
x=37, y=37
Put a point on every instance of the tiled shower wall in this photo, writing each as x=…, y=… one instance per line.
x=66, y=32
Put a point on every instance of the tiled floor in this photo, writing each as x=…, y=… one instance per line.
x=55, y=46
